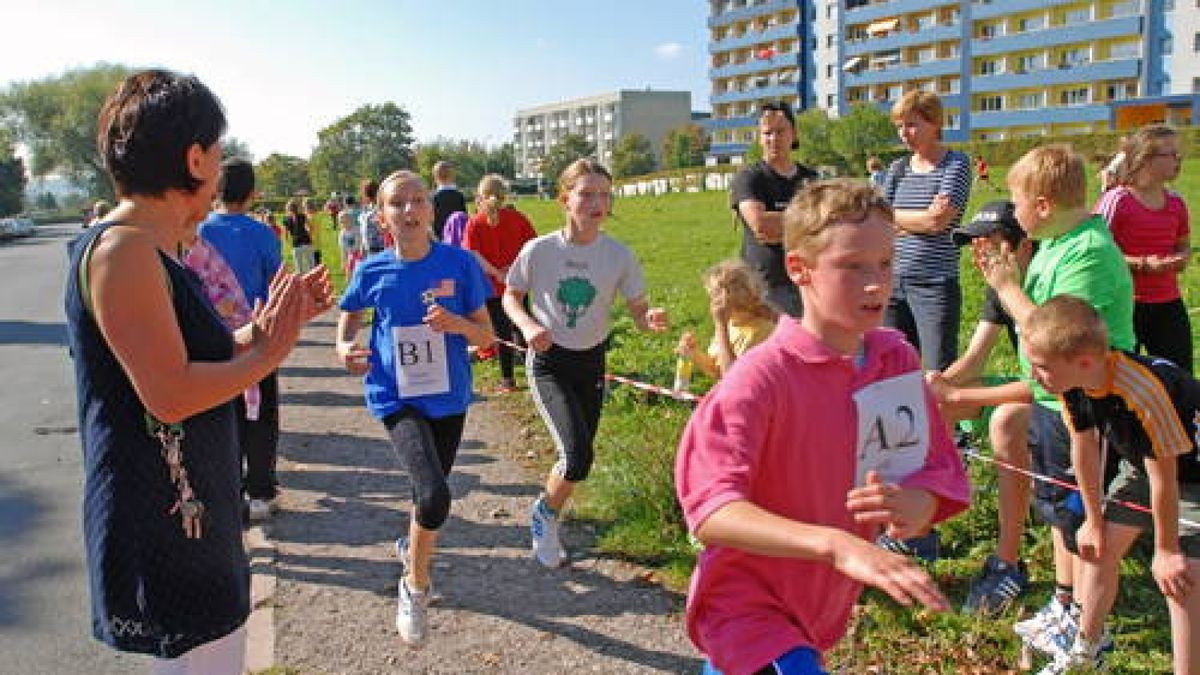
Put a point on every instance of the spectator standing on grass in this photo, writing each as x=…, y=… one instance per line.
x=156, y=372
x=497, y=233
x=447, y=198
x=371, y=234
x=299, y=230
x=315, y=229
x=782, y=567
x=571, y=277
x=1150, y=224
x=428, y=303
x=928, y=188
x=252, y=252
x=759, y=195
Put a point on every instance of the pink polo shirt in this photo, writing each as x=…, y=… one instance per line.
x=781, y=431
x=1140, y=230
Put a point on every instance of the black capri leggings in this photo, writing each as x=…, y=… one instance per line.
x=426, y=448
x=568, y=390
x=1163, y=329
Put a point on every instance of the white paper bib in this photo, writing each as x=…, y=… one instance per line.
x=893, y=427
x=421, y=367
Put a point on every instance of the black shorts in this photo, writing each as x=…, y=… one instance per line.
x=1050, y=450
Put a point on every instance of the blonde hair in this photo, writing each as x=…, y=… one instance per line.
x=745, y=289
x=924, y=103
x=393, y=179
x=1065, y=326
x=1054, y=172
x=1141, y=148
x=823, y=204
x=491, y=193
x=874, y=163
x=578, y=169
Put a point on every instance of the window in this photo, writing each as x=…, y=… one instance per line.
x=1196, y=42
x=990, y=67
x=1168, y=44
x=829, y=101
x=1031, y=62
x=1131, y=50
x=1077, y=16
x=988, y=31
x=1031, y=23
x=926, y=54
x=1126, y=8
x=991, y=103
x=926, y=21
x=1029, y=101
x=1076, y=96
x=829, y=71
x=951, y=86
x=829, y=41
x=1119, y=91
x=894, y=92
x=953, y=120
x=1076, y=57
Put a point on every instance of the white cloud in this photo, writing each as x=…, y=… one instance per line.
x=668, y=50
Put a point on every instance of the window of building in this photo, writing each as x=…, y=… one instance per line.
x=894, y=92
x=1076, y=96
x=1076, y=57
x=1168, y=5
x=1196, y=85
x=1029, y=101
x=1126, y=50
x=1077, y=16
x=1126, y=8
x=1196, y=42
x=991, y=67
x=1031, y=23
x=829, y=71
x=953, y=120
x=1031, y=62
x=829, y=101
x=829, y=41
x=951, y=86
x=991, y=103
x=926, y=54
x=1168, y=44
x=926, y=21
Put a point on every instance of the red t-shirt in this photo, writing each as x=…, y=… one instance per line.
x=1140, y=230
x=498, y=244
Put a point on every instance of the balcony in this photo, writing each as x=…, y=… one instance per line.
x=1117, y=69
x=940, y=33
x=1056, y=35
x=790, y=59
x=1056, y=114
x=743, y=13
x=724, y=149
x=754, y=93
x=882, y=10
x=991, y=10
x=731, y=123
x=785, y=31
x=903, y=72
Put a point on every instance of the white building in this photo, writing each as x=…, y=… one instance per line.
x=1182, y=54
x=601, y=120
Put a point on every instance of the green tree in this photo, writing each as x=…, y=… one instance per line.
x=632, y=156
x=282, y=175
x=471, y=160
x=371, y=142
x=568, y=149
x=813, y=129
x=55, y=118
x=12, y=183
x=685, y=147
x=235, y=147
x=863, y=131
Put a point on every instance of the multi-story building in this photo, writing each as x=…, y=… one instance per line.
x=601, y=120
x=1004, y=68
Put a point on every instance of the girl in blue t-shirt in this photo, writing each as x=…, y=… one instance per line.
x=428, y=301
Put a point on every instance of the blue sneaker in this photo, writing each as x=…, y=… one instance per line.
x=926, y=547
x=996, y=587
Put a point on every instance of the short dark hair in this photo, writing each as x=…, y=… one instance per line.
x=147, y=125
x=786, y=110
x=237, y=180
x=368, y=188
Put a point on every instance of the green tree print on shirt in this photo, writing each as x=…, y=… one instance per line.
x=576, y=295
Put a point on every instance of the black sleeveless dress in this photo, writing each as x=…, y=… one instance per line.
x=153, y=590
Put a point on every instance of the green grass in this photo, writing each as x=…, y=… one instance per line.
x=630, y=496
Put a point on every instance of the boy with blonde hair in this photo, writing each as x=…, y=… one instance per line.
x=833, y=403
x=1146, y=410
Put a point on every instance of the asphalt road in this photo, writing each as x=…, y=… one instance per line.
x=44, y=616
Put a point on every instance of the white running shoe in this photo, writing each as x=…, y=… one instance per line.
x=1051, y=629
x=1083, y=656
x=543, y=525
x=412, y=609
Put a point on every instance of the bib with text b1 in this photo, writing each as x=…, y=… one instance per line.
x=893, y=428
x=421, y=367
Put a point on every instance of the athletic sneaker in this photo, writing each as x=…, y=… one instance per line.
x=924, y=547
x=1051, y=629
x=543, y=525
x=412, y=609
x=1082, y=655
x=998, y=584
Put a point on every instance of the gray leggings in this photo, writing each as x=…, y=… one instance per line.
x=426, y=448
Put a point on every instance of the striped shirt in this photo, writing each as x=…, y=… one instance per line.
x=928, y=255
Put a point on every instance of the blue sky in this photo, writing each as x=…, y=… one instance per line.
x=462, y=68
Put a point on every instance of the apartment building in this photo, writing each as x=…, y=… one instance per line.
x=602, y=120
x=1004, y=68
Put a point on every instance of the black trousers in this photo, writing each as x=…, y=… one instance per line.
x=259, y=440
x=1163, y=329
x=426, y=448
x=568, y=391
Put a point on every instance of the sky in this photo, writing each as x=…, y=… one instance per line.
x=285, y=70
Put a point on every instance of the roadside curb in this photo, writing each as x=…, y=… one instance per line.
x=260, y=627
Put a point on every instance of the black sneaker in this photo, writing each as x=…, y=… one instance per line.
x=996, y=587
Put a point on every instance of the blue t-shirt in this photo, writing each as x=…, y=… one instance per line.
x=394, y=289
x=250, y=247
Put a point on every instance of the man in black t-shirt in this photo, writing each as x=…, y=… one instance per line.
x=759, y=195
x=446, y=197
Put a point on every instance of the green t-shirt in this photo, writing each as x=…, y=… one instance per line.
x=1086, y=263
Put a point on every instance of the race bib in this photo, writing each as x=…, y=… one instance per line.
x=421, y=367
x=893, y=428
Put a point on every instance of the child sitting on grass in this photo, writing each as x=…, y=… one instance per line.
x=742, y=318
x=1146, y=410
x=821, y=435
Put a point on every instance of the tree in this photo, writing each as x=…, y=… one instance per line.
x=371, y=142
x=234, y=147
x=863, y=131
x=12, y=178
x=55, y=118
x=282, y=175
x=560, y=155
x=633, y=156
x=47, y=202
x=685, y=147
x=471, y=160
x=813, y=129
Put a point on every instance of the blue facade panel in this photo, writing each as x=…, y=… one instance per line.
x=1008, y=7
x=902, y=73
x=778, y=91
x=1041, y=116
x=887, y=10
x=768, y=35
x=755, y=65
x=1091, y=72
x=899, y=40
x=1040, y=39
x=730, y=123
x=727, y=149
x=768, y=7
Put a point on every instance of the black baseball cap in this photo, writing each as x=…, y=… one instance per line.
x=992, y=218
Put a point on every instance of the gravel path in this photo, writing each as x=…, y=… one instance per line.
x=344, y=503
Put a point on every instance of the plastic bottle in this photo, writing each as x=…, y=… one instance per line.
x=683, y=374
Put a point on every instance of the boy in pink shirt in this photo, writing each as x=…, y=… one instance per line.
x=814, y=440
